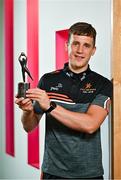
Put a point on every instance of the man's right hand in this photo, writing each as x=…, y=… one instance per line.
x=24, y=104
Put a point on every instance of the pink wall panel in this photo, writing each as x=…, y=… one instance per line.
x=33, y=65
x=61, y=53
x=9, y=77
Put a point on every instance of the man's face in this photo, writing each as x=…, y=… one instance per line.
x=80, y=50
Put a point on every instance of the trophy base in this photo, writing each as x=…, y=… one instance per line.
x=22, y=88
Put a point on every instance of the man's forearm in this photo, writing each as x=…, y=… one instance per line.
x=29, y=120
x=84, y=122
x=73, y=120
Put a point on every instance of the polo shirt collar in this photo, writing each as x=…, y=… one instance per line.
x=74, y=75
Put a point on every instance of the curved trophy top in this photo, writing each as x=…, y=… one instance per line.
x=23, y=62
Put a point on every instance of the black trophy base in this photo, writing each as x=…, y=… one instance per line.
x=22, y=88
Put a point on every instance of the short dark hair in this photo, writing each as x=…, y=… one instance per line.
x=84, y=29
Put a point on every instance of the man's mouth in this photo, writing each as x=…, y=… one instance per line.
x=79, y=57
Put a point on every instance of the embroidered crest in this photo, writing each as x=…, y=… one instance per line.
x=88, y=88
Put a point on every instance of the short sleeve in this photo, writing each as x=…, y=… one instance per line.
x=103, y=98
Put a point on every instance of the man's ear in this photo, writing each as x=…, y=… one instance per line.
x=94, y=49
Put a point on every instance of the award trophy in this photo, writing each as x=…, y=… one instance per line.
x=23, y=86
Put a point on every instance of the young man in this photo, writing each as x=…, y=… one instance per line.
x=76, y=102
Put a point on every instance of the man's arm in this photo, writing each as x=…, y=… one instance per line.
x=87, y=122
x=29, y=118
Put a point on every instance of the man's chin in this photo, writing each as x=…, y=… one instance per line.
x=79, y=67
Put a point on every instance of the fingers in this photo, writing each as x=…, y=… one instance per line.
x=21, y=100
x=40, y=96
x=36, y=91
x=36, y=94
x=24, y=104
x=32, y=94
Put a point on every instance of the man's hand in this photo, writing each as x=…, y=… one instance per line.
x=40, y=96
x=24, y=104
x=29, y=119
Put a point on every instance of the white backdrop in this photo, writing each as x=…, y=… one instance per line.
x=53, y=15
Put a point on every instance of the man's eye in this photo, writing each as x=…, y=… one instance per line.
x=87, y=45
x=75, y=43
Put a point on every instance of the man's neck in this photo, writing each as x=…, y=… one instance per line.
x=78, y=70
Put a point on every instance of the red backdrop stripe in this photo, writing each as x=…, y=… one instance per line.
x=61, y=53
x=33, y=58
x=9, y=76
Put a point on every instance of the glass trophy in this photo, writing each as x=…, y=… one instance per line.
x=23, y=86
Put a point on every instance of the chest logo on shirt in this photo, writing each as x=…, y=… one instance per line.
x=56, y=87
x=88, y=89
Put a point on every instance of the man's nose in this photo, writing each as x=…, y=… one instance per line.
x=80, y=49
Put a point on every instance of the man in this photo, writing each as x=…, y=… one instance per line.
x=76, y=102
